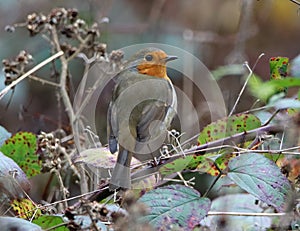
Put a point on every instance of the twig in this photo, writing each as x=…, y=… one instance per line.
x=80, y=48
x=256, y=109
x=272, y=117
x=31, y=71
x=93, y=223
x=59, y=109
x=182, y=180
x=245, y=84
x=63, y=77
x=213, y=183
x=286, y=151
x=296, y=2
x=72, y=198
x=68, y=106
x=43, y=81
x=55, y=227
x=186, y=182
x=61, y=185
x=177, y=143
x=216, y=213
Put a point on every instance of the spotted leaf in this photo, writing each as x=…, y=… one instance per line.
x=25, y=208
x=228, y=126
x=199, y=162
x=22, y=147
x=278, y=67
x=177, y=165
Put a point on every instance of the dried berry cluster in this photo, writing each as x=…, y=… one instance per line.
x=116, y=56
x=13, y=69
x=52, y=153
x=67, y=32
x=97, y=213
x=64, y=19
x=69, y=25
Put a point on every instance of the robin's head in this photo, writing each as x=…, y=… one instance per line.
x=151, y=61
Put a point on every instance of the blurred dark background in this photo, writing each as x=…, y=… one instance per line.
x=217, y=32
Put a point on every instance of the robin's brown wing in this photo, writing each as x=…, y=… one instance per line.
x=155, y=119
x=150, y=119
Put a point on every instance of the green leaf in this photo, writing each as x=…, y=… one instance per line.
x=264, y=90
x=223, y=160
x=175, y=204
x=278, y=70
x=47, y=222
x=255, y=84
x=22, y=147
x=202, y=163
x=228, y=126
x=222, y=128
x=260, y=177
x=278, y=67
x=177, y=165
x=286, y=82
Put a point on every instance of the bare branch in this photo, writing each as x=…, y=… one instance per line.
x=215, y=213
x=296, y=2
x=245, y=84
x=31, y=71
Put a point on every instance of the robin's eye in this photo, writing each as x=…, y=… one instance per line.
x=149, y=57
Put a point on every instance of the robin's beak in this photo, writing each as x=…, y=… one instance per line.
x=170, y=58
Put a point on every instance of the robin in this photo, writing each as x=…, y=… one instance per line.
x=143, y=105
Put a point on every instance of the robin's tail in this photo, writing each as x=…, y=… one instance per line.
x=121, y=172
